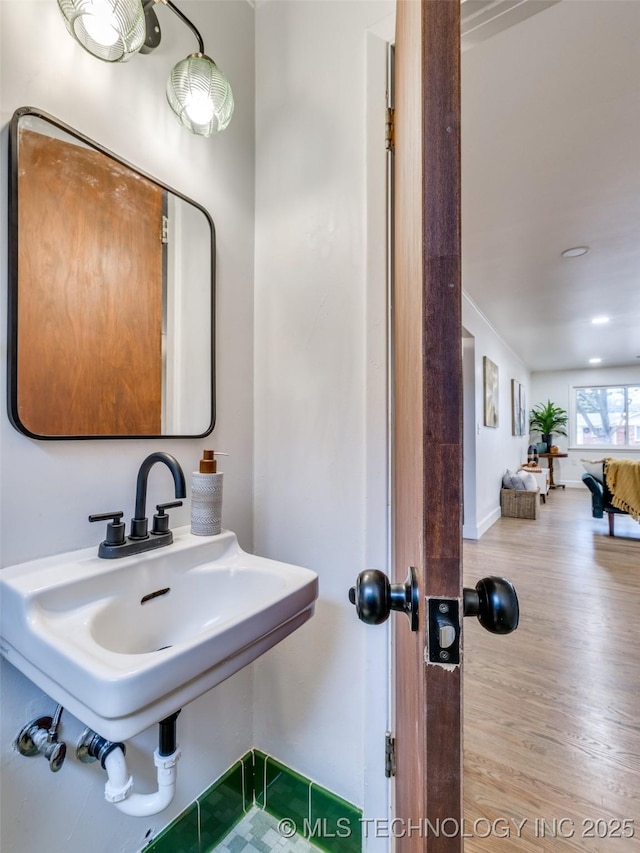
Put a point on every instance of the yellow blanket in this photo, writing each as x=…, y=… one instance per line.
x=623, y=480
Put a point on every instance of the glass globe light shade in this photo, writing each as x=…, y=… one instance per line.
x=112, y=30
x=200, y=95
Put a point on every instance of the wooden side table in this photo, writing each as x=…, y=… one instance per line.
x=551, y=457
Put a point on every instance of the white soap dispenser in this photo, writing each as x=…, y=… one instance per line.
x=206, y=496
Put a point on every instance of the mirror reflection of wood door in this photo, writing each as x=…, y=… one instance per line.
x=100, y=235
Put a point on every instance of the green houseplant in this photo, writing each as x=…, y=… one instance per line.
x=547, y=418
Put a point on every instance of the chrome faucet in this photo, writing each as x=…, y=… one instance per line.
x=117, y=544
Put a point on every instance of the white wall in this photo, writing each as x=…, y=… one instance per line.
x=320, y=497
x=496, y=449
x=47, y=489
x=556, y=385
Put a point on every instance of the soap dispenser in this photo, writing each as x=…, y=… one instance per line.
x=206, y=496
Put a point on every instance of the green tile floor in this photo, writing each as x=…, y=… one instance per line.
x=258, y=792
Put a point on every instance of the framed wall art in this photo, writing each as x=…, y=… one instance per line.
x=516, y=411
x=524, y=425
x=491, y=397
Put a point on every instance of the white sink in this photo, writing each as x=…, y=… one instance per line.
x=121, y=644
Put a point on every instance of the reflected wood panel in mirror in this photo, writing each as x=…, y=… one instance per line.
x=111, y=294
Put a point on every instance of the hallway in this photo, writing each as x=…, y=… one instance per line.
x=552, y=712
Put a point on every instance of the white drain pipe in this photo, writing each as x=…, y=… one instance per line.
x=119, y=786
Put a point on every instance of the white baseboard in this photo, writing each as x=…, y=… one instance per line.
x=573, y=484
x=489, y=520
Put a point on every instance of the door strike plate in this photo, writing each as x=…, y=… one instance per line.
x=444, y=630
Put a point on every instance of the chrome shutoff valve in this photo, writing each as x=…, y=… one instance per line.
x=39, y=737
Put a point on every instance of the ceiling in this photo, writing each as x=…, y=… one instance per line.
x=551, y=160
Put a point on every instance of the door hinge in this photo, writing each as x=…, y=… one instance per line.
x=389, y=755
x=164, y=238
x=389, y=130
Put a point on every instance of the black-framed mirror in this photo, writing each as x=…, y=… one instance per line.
x=111, y=293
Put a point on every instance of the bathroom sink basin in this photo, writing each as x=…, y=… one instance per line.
x=123, y=644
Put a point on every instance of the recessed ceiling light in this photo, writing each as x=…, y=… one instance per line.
x=575, y=252
x=595, y=360
x=598, y=321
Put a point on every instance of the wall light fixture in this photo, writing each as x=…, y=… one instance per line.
x=114, y=30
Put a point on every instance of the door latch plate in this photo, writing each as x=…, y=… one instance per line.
x=444, y=630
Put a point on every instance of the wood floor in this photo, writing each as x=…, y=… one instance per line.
x=552, y=712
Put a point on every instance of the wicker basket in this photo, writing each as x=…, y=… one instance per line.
x=519, y=504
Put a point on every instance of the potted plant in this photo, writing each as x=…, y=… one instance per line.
x=547, y=418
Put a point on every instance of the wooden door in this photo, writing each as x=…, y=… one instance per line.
x=427, y=437
x=89, y=320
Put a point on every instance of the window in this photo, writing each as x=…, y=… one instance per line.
x=607, y=416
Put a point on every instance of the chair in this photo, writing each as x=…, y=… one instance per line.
x=601, y=500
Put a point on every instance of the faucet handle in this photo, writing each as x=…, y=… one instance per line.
x=161, y=519
x=116, y=528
